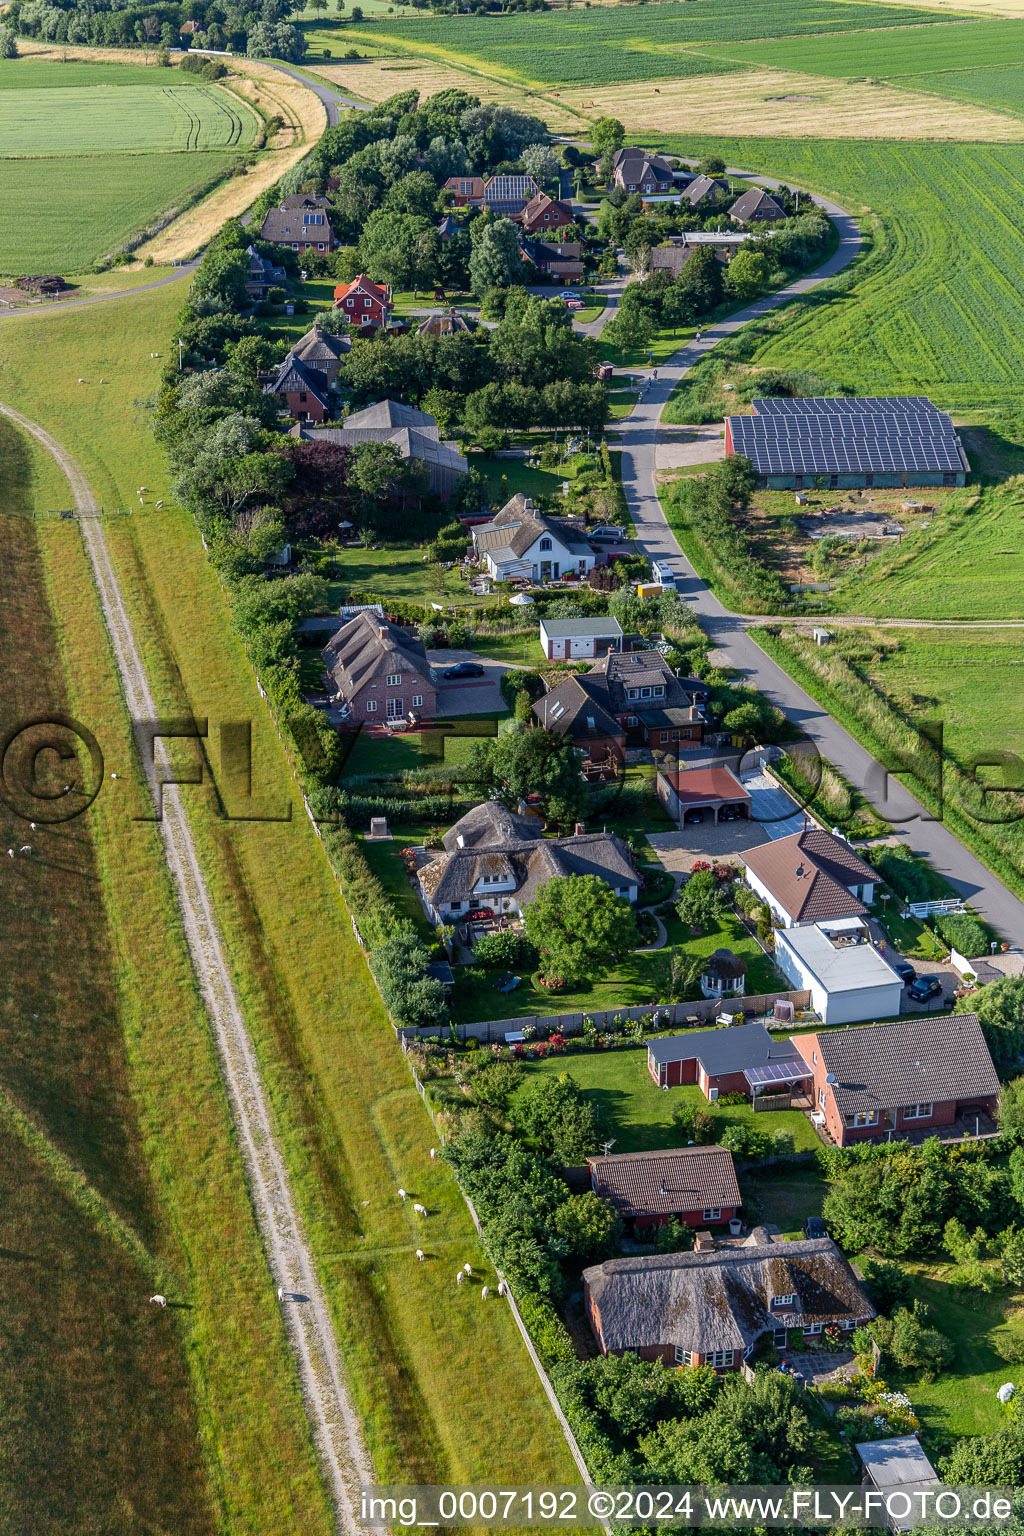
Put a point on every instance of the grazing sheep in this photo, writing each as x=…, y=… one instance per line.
x=402, y=1195
x=420, y=1210
x=420, y=1254
x=459, y=1278
x=484, y=1292
x=159, y=1301
x=468, y=1268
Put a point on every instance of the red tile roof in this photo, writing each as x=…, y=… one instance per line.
x=808, y=874
x=660, y=1183
x=701, y=786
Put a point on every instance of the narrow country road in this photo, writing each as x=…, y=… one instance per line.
x=333, y=100
x=185, y=270
x=333, y=1418
x=736, y=648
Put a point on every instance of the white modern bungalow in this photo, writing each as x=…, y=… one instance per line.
x=835, y=960
x=520, y=543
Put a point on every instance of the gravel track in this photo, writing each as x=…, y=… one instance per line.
x=332, y=1416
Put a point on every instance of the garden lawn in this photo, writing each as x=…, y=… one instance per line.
x=397, y=571
x=420, y=1358
x=639, y=1114
x=930, y=308
x=631, y=983
x=962, y=1401
x=783, y=1196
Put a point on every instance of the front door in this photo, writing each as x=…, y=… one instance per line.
x=395, y=710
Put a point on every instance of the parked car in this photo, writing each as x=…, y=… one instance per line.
x=924, y=989
x=904, y=970
x=606, y=531
x=480, y=915
x=815, y=1227
x=728, y=813
x=464, y=669
x=693, y=818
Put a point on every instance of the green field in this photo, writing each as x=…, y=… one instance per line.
x=936, y=305
x=41, y=74
x=1001, y=89
x=880, y=54
x=93, y=120
x=61, y=215
x=608, y=43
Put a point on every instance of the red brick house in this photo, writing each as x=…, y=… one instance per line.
x=543, y=213
x=570, y=709
x=712, y=1307
x=467, y=191
x=756, y=207
x=915, y=1077
x=718, y=1060
x=301, y=223
x=697, y=1185
x=364, y=303
x=301, y=390
x=379, y=671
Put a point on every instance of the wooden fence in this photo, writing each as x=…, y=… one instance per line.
x=659, y=1016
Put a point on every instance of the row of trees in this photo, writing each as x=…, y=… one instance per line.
x=260, y=29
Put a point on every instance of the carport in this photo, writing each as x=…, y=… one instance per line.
x=715, y=789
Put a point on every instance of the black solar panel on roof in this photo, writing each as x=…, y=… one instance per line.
x=874, y=442
x=841, y=405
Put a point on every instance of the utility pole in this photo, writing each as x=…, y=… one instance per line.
x=181, y=348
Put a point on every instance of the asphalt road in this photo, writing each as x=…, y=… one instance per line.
x=728, y=631
x=333, y=100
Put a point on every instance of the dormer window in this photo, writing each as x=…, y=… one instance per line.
x=632, y=693
x=783, y=1301
x=545, y=544
x=659, y=691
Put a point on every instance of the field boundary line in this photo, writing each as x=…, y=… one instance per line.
x=335, y=1425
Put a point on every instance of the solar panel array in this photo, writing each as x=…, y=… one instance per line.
x=841, y=436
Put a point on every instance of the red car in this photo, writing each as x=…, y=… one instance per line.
x=480, y=915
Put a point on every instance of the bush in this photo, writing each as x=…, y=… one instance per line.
x=747, y=1141
x=399, y=967
x=551, y=1337
x=508, y=947
x=693, y=1123
x=496, y=1084
x=888, y=1285
x=964, y=933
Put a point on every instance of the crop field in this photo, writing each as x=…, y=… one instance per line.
x=60, y=215
x=793, y=106
x=937, y=305
x=885, y=55
x=622, y=43
x=1001, y=89
x=43, y=74
x=94, y=120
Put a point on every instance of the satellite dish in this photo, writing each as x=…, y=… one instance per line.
x=830, y=1077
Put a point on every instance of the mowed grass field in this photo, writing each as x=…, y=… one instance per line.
x=422, y=1356
x=92, y=153
x=623, y=43
x=118, y=1174
x=935, y=305
x=884, y=55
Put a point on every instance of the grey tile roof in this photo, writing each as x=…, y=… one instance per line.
x=643, y=669
x=893, y=1463
x=723, y=1050
x=566, y=629
x=722, y=1299
x=318, y=347
x=703, y=188
x=294, y=377
x=659, y=1183
x=756, y=200
x=390, y=414
x=518, y=525
x=452, y=877
x=290, y=225
x=574, y=708
x=369, y=647
x=911, y=1061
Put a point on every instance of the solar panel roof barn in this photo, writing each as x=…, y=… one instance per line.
x=902, y=436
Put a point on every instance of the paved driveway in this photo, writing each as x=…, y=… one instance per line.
x=772, y=808
x=708, y=840
x=471, y=695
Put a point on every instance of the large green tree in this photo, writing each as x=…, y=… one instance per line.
x=580, y=926
x=556, y=1114
x=607, y=135
x=399, y=248
x=494, y=261
x=538, y=761
x=1000, y=1010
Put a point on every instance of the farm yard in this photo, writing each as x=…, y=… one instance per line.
x=604, y=43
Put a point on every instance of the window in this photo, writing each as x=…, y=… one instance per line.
x=544, y=544
x=371, y=706
x=813, y=1328
x=366, y=303
x=645, y=693
x=394, y=679
x=721, y=1359
x=917, y=1112
x=713, y=1213
x=683, y=1356
x=784, y=1301
x=821, y=1098
x=632, y=693
x=664, y=736
x=394, y=708
x=321, y=246
x=659, y=691
x=631, y=720
x=862, y=1117
x=417, y=701
x=814, y=1057
x=349, y=303
x=302, y=396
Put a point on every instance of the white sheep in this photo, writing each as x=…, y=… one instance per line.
x=433, y=1153
x=25, y=848
x=159, y=1301
x=501, y=1287
x=280, y=1293
x=420, y=1254
x=402, y=1195
x=459, y=1278
x=484, y=1293
x=159, y=504
x=468, y=1268
x=420, y=1210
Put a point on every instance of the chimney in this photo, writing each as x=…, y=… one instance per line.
x=382, y=633
x=704, y=1242
x=579, y=829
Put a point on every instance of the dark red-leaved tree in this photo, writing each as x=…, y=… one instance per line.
x=319, y=497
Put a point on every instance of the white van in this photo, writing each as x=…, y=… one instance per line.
x=664, y=574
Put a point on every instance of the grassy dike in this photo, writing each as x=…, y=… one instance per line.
x=119, y=1172
x=421, y=1355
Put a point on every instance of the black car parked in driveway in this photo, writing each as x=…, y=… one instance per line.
x=464, y=669
x=925, y=988
x=904, y=970
x=815, y=1227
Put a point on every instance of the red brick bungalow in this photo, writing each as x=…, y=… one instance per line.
x=916, y=1077
x=695, y=1184
x=719, y=1059
x=712, y=1308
